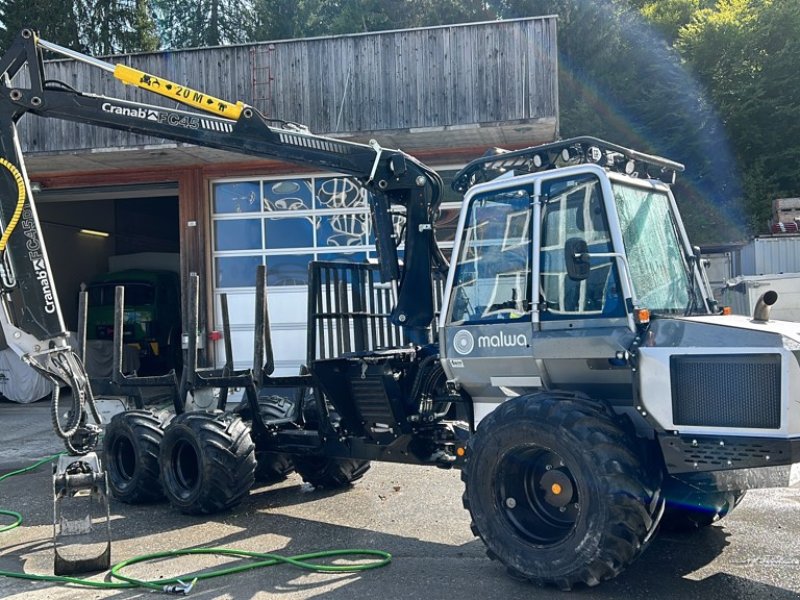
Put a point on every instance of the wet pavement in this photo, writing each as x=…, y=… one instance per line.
x=414, y=513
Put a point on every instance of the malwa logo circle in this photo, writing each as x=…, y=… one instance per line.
x=463, y=342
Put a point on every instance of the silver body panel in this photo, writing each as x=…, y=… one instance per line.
x=719, y=336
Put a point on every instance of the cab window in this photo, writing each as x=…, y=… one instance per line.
x=573, y=208
x=492, y=282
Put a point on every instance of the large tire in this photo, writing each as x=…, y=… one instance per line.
x=272, y=467
x=207, y=462
x=556, y=492
x=330, y=473
x=691, y=508
x=131, y=448
x=322, y=471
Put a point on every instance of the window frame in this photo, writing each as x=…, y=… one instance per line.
x=463, y=239
x=590, y=180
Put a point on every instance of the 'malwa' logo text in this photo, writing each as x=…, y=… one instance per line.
x=502, y=340
x=464, y=343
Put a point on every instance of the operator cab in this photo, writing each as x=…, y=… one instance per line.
x=556, y=264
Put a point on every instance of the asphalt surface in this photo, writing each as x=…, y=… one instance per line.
x=414, y=513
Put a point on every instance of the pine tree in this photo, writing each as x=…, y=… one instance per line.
x=197, y=23
x=55, y=20
x=116, y=26
x=144, y=36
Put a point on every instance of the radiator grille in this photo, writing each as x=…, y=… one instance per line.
x=741, y=390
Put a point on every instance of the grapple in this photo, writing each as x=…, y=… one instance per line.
x=81, y=524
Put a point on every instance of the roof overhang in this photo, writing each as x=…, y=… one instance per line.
x=427, y=142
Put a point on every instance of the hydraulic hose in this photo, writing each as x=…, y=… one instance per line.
x=12, y=223
x=184, y=584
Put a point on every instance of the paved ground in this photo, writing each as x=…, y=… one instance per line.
x=414, y=513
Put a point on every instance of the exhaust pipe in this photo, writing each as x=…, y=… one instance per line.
x=764, y=305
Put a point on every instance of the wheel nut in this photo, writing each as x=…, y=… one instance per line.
x=511, y=502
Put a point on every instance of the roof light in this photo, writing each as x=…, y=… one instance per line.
x=95, y=233
x=594, y=154
x=643, y=316
x=667, y=176
x=537, y=160
x=727, y=310
x=630, y=167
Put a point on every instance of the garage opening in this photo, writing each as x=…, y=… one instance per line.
x=94, y=234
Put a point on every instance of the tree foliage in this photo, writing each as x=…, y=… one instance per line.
x=99, y=27
x=284, y=19
x=669, y=16
x=746, y=53
x=55, y=20
x=115, y=26
x=195, y=23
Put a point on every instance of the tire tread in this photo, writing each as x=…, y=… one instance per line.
x=630, y=520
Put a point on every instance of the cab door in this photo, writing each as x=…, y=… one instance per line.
x=486, y=330
x=584, y=326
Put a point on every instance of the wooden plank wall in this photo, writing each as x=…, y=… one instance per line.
x=443, y=76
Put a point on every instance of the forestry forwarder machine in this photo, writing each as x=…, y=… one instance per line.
x=574, y=365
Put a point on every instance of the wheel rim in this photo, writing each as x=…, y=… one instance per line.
x=537, y=495
x=186, y=464
x=124, y=458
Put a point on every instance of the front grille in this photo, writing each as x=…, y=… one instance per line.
x=736, y=390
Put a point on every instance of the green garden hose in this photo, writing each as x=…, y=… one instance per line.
x=178, y=584
x=12, y=513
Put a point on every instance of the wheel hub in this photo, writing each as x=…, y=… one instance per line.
x=557, y=488
x=537, y=495
x=124, y=458
x=187, y=468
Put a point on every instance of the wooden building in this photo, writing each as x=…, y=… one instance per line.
x=443, y=94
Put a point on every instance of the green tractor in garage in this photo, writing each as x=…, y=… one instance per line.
x=151, y=322
x=571, y=360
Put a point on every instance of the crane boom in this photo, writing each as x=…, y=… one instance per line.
x=31, y=316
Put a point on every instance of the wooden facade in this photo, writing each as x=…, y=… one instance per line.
x=450, y=78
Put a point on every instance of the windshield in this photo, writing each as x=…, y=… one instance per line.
x=661, y=277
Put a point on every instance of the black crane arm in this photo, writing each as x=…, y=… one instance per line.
x=30, y=314
x=392, y=177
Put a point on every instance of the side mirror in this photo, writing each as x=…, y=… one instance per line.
x=576, y=257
